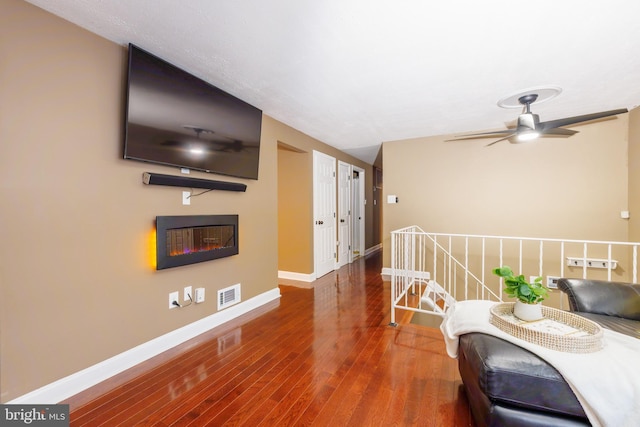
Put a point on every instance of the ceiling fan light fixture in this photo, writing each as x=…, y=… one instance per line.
x=527, y=135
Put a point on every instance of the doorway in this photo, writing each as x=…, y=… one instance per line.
x=357, y=212
x=344, y=214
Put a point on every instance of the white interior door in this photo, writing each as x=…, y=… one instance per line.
x=324, y=213
x=357, y=212
x=344, y=214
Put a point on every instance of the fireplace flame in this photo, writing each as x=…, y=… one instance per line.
x=187, y=251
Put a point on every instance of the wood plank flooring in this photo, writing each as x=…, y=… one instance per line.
x=323, y=356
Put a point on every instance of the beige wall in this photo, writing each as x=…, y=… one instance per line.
x=634, y=175
x=571, y=188
x=77, y=285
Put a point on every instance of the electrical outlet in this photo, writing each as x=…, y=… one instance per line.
x=186, y=197
x=174, y=296
x=188, y=294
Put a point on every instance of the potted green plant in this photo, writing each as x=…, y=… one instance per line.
x=529, y=295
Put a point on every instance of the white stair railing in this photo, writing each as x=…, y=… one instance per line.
x=430, y=271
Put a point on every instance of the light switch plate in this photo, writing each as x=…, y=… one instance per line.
x=199, y=295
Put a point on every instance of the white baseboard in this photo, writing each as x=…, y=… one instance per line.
x=373, y=249
x=301, y=277
x=73, y=384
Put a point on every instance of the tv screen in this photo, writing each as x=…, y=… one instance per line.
x=174, y=118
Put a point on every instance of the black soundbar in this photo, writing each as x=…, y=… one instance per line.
x=186, y=181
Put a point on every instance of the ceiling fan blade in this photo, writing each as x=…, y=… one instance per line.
x=551, y=124
x=508, y=133
x=501, y=139
x=559, y=131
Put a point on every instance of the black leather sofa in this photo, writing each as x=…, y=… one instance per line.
x=507, y=385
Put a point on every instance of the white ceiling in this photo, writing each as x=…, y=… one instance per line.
x=356, y=73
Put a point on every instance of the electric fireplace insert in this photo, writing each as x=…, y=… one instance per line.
x=183, y=240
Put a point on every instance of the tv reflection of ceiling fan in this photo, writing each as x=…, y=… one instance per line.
x=529, y=126
x=226, y=144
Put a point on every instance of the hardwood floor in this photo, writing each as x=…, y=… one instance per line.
x=323, y=356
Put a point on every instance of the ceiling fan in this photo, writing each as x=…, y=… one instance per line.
x=529, y=126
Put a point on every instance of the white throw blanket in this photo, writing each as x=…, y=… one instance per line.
x=606, y=382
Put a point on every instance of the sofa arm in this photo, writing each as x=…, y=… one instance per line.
x=602, y=297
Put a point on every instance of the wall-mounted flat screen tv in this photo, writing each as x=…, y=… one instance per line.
x=176, y=119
